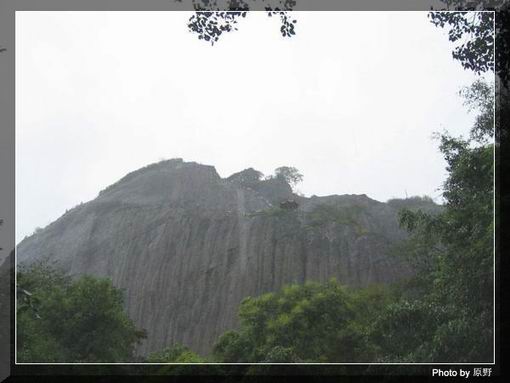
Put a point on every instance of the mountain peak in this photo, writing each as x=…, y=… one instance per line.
x=187, y=246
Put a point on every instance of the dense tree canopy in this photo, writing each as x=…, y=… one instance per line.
x=61, y=320
x=175, y=354
x=453, y=253
x=184, y=362
x=303, y=323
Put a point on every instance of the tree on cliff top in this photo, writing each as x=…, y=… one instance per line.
x=289, y=174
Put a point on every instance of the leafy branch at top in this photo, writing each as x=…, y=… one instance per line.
x=474, y=34
x=211, y=19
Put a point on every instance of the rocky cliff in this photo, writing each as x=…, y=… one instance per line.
x=187, y=246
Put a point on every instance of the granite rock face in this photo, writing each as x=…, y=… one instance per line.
x=187, y=246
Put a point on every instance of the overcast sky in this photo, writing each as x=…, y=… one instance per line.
x=352, y=101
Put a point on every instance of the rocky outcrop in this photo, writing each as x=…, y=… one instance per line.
x=187, y=246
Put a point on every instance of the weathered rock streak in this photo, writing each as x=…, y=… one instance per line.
x=187, y=246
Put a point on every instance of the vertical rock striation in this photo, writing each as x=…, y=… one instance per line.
x=187, y=246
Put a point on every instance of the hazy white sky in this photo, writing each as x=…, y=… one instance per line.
x=351, y=101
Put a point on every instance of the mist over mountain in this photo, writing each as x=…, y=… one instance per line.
x=187, y=246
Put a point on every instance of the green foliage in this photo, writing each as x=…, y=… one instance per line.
x=473, y=32
x=347, y=215
x=175, y=354
x=61, y=320
x=184, y=359
x=211, y=19
x=274, y=211
x=404, y=327
x=451, y=319
x=41, y=277
x=289, y=174
x=480, y=97
x=479, y=38
x=5, y=313
x=301, y=323
x=424, y=203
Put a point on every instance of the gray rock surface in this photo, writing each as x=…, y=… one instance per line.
x=187, y=246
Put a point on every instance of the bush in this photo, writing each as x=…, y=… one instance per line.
x=61, y=320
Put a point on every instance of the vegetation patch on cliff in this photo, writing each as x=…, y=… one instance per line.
x=323, y=215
